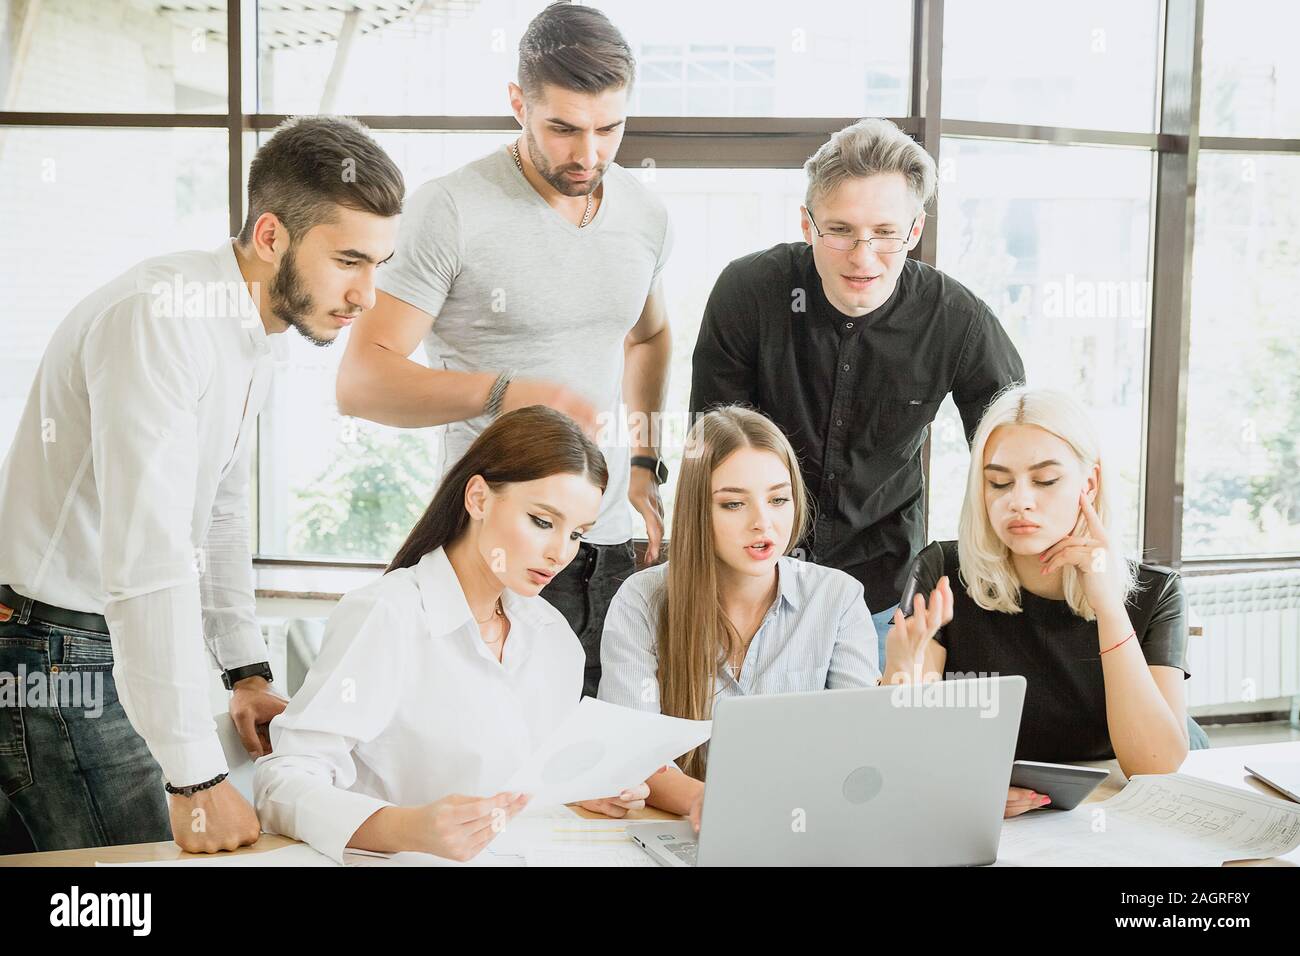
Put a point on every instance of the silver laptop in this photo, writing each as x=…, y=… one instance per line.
x=1282, y=775
x=910, y=775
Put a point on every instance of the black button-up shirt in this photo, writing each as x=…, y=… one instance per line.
x=855, y=395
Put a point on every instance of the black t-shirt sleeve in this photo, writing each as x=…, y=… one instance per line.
x=927, y=569
x=1164, y=640
x=724, y=368
x=989, y=363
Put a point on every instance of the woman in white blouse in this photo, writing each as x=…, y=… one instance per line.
x=733, y=612
x=437, y=681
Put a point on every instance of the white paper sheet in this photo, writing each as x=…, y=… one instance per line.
x=1167, y=820
x=557, y=833
x=549, y=811
x=601, y=749
x=539, y=827
x=547, y=839
x=524, y=835
x=409, y=859
x=629, y=855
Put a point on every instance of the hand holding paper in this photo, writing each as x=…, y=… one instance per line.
x=600, y=749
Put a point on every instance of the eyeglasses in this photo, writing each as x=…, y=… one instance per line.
x=881, y=245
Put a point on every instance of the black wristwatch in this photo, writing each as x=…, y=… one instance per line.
x=233, y=676
x=655, y=465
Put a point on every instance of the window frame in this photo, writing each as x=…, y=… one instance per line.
x=785, y=142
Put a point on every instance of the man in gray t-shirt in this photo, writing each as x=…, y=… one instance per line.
x=532, y=276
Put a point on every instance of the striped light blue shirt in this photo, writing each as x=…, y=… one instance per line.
x=816, y=635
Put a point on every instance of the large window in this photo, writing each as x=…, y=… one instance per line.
x=1051, y=147
x=401, y=58
x=1055, y=239
x=707, y=59
x=1087, y=65
x=64, y=233
x=1251, y=72
x=694, y=59
x=112, y=56
x=1243, y=395
x=1241, y=494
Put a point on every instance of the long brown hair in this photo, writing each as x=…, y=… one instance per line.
x=523, y=445
x=695, y=635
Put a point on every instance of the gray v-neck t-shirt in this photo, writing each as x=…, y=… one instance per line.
x=513, y=285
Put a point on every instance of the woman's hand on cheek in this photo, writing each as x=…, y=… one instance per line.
x=1091, y=554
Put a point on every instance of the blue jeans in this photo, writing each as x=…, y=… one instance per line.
x=73, y=771
x=883, y=620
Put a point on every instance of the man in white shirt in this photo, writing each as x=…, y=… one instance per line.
x=532, y=276
x=124, y=528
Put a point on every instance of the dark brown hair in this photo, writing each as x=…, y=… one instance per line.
x=310, y=165
x=575, y=48
x=523, y=445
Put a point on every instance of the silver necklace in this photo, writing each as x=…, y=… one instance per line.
x=514, y=151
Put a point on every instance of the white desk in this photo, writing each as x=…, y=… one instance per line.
x=1222, y=765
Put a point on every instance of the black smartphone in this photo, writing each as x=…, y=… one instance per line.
x=906, y=602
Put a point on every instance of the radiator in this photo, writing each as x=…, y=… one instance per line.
x=1249, y=648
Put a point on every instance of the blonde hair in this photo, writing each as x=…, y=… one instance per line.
x=986, y=568
x=694, y=635
x=867, y=148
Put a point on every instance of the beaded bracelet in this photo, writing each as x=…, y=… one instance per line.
x=191, y=791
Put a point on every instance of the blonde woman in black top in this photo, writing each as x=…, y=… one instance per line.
x=1040, y=589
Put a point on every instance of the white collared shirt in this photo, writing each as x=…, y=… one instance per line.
x=125, y=492
x=406, y=705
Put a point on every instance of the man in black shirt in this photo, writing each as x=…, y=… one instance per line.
x=850, y=347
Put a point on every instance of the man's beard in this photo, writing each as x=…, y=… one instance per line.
x=291, y=303
x=556, y=179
